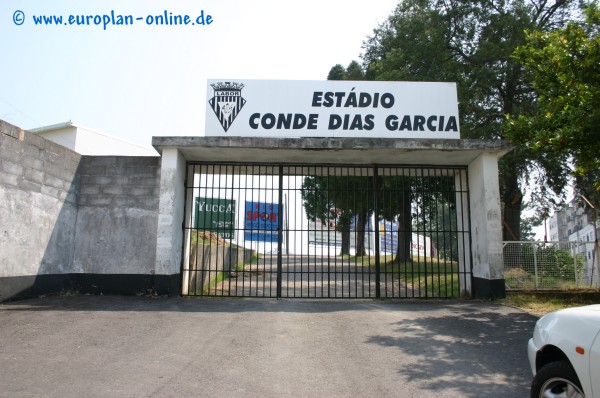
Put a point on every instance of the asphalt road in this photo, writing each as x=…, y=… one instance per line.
x=100, y=346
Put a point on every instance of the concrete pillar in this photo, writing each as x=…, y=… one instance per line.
x=188, y=222
x=486, y=227
x=170, y=219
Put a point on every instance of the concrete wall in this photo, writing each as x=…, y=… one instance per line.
x=38, y=212
x=67, y=221
x=486, y=227
x=116, y=225
x=169, y=236
x=208, y=260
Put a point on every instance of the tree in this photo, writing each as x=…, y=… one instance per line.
x=396, y=195
x=352, y=72
x=435, y=214
x=325, y=196
x=318, y=196
x=564, y=66
x=471, y=43
x=337, y=72
x=340, y=200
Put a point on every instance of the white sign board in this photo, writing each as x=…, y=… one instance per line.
x=296, y=108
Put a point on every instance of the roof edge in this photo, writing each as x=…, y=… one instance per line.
x=312, y=143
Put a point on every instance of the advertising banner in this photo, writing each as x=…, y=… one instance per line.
x=388, y=241
x=262, y=221
x=296, y=108
x=215, y=215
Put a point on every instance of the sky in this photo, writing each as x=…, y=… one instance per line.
x=141, y=80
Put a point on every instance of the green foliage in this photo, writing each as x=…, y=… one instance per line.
x=223, y=276
x=427, y=277
x=471, y=43
x=439, y=223
x=540, y=304
x=321, y=195
x=564, y=67
x=430, y=277
x=553, y=263
x=338, y=199
x=558, y=262
x=352, y=72
x=337, y=72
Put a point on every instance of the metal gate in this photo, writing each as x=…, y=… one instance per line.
x=326, y=231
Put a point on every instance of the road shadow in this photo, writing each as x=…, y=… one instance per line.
x=469, y=347
x=475, y=348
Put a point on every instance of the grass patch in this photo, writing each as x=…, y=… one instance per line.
x=519, y=279
x=221, y=276
x=541, y=303
x=430, y=276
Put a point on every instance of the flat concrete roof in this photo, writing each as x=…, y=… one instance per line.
x=332, y=150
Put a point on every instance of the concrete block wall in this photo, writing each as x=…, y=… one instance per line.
x=208, y=260
x=72, y=222
x=38, y=211
x=115, y=244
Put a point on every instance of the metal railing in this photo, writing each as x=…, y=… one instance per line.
x=561, y=265
x=326, y=231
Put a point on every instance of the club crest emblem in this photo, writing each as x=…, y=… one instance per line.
x=227, y=102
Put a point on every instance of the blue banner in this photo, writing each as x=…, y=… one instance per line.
x=262, y=221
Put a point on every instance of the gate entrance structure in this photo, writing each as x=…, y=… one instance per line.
x=326, y=217
x=326, y=231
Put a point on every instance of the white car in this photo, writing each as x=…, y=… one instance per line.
x=564, y=353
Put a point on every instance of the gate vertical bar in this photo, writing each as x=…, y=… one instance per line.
x=280, y=234
x=376, y=227
x=188, y=224
x=535, y=265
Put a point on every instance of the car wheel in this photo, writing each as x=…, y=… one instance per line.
x=556, y=379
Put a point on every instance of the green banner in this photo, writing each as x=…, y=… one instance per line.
x=215, y=215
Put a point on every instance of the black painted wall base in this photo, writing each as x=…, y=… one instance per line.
x=488, y=288
x=124, y=284
x=133, y=284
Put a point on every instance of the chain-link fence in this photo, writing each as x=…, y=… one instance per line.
x=530, y=265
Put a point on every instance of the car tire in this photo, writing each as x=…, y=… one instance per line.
x=554, y=379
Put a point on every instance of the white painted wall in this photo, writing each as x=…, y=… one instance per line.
x=486, y=218
x=86, y=141
x=171, y=213
x=66, y=137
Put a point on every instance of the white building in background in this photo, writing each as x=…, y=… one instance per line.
x=585, y=249
x=574, y=224
x=86, y=141
x=566, y=222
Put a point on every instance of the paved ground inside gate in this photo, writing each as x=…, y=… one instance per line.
x=98, y=346
x=311, y=277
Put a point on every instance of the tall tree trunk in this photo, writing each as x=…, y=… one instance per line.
x=512, y=198
x=360, y=233
x=343, y=226
x=404, y=229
